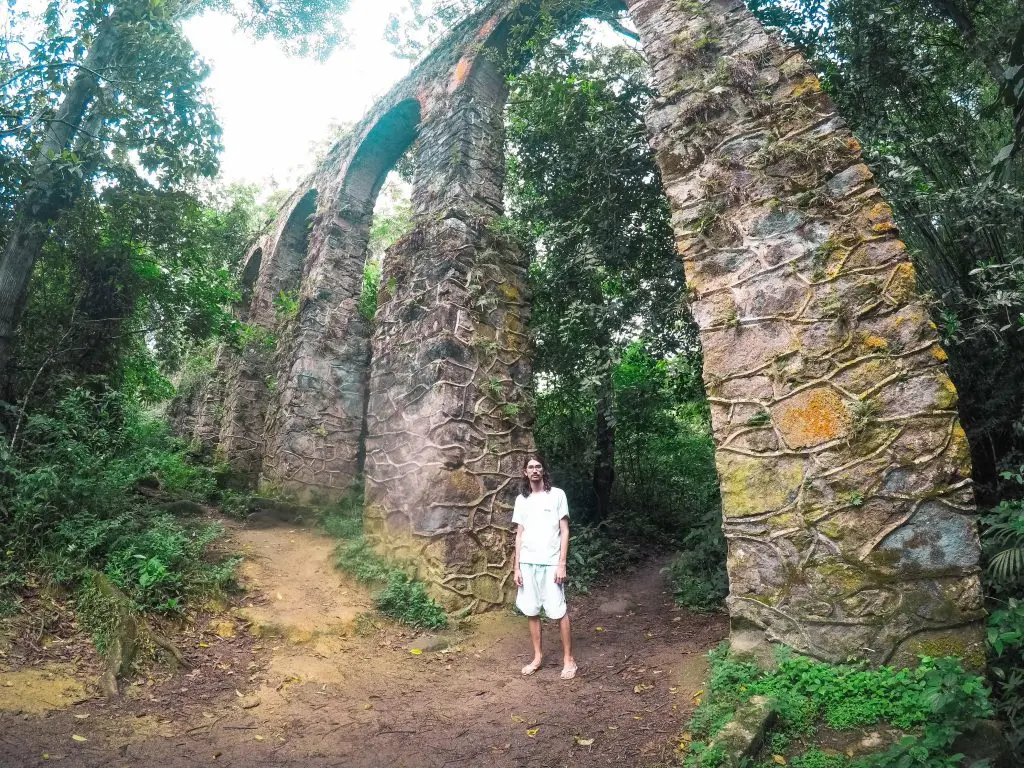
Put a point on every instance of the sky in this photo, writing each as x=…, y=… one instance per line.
x=274, y=107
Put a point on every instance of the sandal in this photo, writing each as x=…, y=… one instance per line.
x=532, y=667
x=568, y=673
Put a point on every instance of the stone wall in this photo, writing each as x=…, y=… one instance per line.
x=844, y=471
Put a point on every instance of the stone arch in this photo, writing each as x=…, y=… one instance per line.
x=377, y=154
x=293, y=245
x=314, y=428
x=845, y=474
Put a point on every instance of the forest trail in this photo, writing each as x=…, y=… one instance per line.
x=297, y=674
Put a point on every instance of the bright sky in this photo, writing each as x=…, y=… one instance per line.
x=273, y=107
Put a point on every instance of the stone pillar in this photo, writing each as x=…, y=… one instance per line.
x=250, y=374
x=448, y=417
x=315, y=420
x=845, y=473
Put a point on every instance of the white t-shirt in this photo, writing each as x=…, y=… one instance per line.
x=540, y=514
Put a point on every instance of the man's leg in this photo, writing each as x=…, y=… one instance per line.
x=538, y=655
x=568, y=660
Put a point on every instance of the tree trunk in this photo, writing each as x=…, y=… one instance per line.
x=604, y=455
x=47, y=193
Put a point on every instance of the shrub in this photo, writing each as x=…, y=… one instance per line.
x=938, y=699
x=403, y=597
x=68, y=503
x=697, y=575
x=407, y=600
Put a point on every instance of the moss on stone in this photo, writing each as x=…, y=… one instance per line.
x=753, y=485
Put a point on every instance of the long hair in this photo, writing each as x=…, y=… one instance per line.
x=545, y=477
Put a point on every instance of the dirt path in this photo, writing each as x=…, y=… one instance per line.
x=294, y=676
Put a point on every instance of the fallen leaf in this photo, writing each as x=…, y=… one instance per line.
x=638, y=717
x=367, y=706
x=204, y=645
x=258, y=737
x=648, y=634
x=415, y=651
x=673, y=689
x=531, y=732
x=279, y=596
x=613, y=727
x=516, y=719
x=81, y=717
x=641, y=687
x=76, y=737
x=599, y=629
x=583, y=742
x=778, y=759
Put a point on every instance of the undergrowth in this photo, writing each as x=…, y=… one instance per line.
x=697, y=575
x=932, y=703
x=69, y=504
x=403, y=597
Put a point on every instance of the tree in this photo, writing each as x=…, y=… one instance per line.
x=583, y=182
x=108, y=93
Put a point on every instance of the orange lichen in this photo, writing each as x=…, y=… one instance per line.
x=880, y=217
x=939, y=354
x=812, y=417
x=902, y=282
x=854, y=146
x=875, y=343
x=810, y=84
x=947, y=396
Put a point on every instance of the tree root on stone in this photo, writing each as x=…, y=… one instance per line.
x=128, y=633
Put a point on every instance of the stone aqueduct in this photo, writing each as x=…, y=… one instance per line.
x=844, y=471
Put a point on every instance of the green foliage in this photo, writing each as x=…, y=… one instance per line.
x=935, y=701
x=407, y=600
x=286, y=304
x=815, y=758
x=357, y=558
x=402, y=598
x=68, y=503
x=1003, y=540
x=371, y=285
x=597, y=552
x=697, y=575
x=344, y=518
x=128, y=284
x=1005, y=636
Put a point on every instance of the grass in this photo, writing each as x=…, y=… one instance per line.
x=401, y=597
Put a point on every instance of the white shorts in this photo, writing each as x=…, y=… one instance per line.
x=540, y=591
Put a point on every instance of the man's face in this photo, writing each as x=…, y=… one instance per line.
x=534, y=471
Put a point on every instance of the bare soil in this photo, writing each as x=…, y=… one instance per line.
x=298, y=672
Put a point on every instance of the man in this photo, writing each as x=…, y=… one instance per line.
x=542, y=543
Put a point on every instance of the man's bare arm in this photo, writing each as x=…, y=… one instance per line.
x=517, y=574
x=563, y=550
